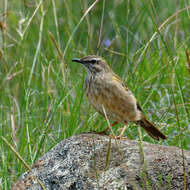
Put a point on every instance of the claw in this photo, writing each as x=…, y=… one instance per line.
x=119, y=137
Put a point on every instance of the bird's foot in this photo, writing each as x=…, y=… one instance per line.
x=119, y=137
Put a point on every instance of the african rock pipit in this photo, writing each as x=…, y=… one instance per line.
x=109, y=95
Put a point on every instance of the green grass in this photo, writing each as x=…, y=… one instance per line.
x=42, y=99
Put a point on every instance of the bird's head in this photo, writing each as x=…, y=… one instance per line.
x=93, y=64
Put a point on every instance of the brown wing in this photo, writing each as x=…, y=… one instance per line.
x=116, y=77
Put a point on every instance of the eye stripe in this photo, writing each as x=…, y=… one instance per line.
x=94, y=59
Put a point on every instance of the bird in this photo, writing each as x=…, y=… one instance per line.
x=111, y=97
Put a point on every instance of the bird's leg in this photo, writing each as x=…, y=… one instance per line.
x=122, y=133
x=104, y=132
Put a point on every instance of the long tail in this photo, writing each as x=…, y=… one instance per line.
x=151, y=129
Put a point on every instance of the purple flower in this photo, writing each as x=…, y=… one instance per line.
x=106, y=42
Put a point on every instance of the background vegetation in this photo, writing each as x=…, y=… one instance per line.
x=41, y=90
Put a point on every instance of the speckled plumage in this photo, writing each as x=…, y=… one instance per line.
x=106, y=91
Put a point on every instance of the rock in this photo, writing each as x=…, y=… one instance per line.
x=79, y=163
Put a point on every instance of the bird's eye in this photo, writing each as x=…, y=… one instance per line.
x=93, y=61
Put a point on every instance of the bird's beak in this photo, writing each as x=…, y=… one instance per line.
x=76, y=60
